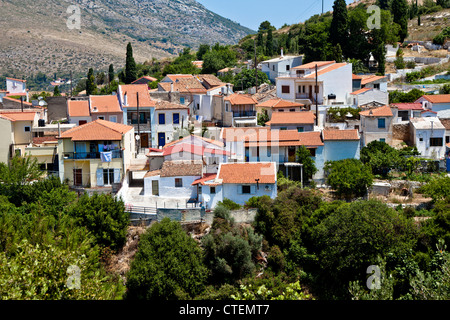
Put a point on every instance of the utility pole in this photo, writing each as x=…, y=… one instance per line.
x=71, y=80
x=256, y=69
x=322, y=7
x=316, y=89
x=138, y=121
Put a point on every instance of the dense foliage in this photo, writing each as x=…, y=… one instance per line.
x=168, y=265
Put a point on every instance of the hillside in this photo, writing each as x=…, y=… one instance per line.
x=38, y=39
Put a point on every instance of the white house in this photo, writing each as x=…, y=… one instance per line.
x=334, y=82
x=408, y=111
x=439, y=103
x=170, y=118
x=17, y=87
x=238, y=182
x=374, y=82
x=302, y=121
x=370, y=97
x=280, y=66
x=428, y=135
x=278, y=105
x=174, y=180
x=377, y=124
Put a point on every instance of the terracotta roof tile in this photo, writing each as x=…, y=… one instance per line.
x=279, y=103
x=362, y=90
x=355, y=77
x=164, y=105
x=131, y=90
x=370, y=78
x=384, y=111
x=326, y=69
x=238, y=99
x=18, y=116
x=408, y=106
x=97, y=130
x=206, y=177
x=105, y=104
x=181, y=168
x=438, y=98
x=300, y=117
x=283, y=138
x=335, y=134
x=313, y=64
x=78, y=108
x=247, y=172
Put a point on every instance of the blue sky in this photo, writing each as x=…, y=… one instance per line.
x=251, y=13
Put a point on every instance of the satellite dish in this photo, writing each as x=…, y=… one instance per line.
x=42, y=103
x=137, y=137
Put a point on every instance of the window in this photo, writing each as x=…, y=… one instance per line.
x=182, y=100
x=283, y=128
x=376, y=86
x=212, y=190
x=285, y=89
x=382, y=123
x=269, y=151
x=312, y=151
x=198, y=106
x=436, y=142
x=382, y=139
x=176, y=118
x=281, y=110
x=113, y=119
x=291, y=110
x=162, y=118
x=273, y=67
x=300, y=129
x=27, y=128
x=101, y=117
x=447, y=139
x=246, y=189
x=288, y=67
x=178, y=183
x=108, y=177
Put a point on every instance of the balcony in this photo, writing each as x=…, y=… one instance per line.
x=244, y=114
x=143, y=125
x=116, y=154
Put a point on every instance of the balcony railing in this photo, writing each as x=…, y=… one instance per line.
x=116, y=154
x=143, y=125
x=244, y=114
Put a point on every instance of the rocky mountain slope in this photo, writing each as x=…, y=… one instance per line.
x=36, y=36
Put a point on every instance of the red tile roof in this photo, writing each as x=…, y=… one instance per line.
x=283, y=138
x=181, y=168
x=97, y=130
x=131, y=90
x=384, y=111
x=437, y=98
x=326, y=69
x=185, y=140
x=18, y=116
x=247, y=173
x=279, y=103
x=194, y=149
x=78, y=108
x=184, y=85
x=105, y=104
x=313, y=64
x=206, y=177
x=164, y=105
x=8, y=97
x=408, y=106
x=299, y=117
x=240, y=99
x=335, y=134
x=20, y=80
x=362, y=90
x=355, y=77
x=370, y=78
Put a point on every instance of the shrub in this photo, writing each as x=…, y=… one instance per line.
x=229, y=204
x=167, y=266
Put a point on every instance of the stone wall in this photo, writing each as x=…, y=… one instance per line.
x=401, y=132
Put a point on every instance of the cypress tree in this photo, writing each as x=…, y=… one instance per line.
x=339, y=24
x=111, y=73
x=90, y=83
x=399, y=9
x=56, y=92
x=269, y=43
x=130, y=66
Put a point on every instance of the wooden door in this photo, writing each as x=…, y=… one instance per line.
x=77, y=177
x=144, y=140
x=155, y=187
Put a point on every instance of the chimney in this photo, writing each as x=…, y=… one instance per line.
x=282, y=52
x=171, y=87
x=125, y=100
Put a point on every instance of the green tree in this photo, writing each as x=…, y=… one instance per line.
x=20, y=171
x=445, y=89
x=202, y=50
x=111, y=74
x=263, y=117
x=354, y=236
x=339, y=24
x=246, y=79
x=399, y=9
x=269, y=43
x=349, y=177
x=304, y=157
x=380, y=156
x=104, y=216
x=56, y=92
x=130, y=66
x=91, y=88
x=167, y=266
